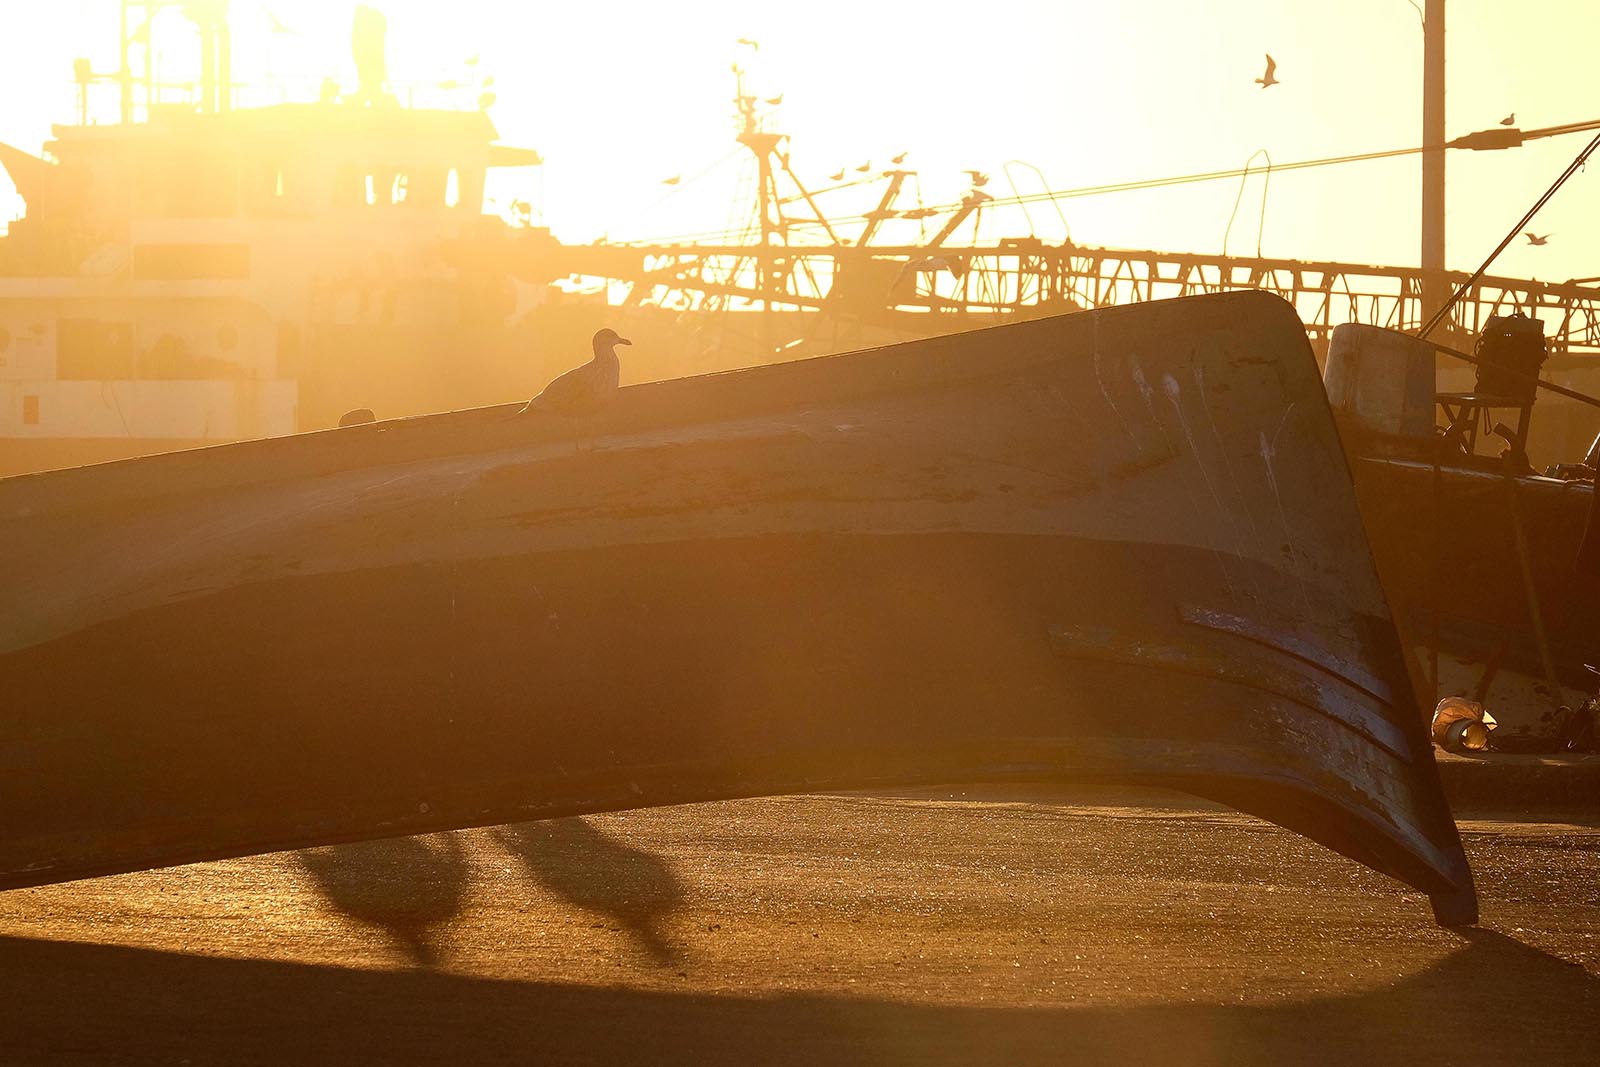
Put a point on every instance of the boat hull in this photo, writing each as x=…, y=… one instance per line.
x=1447, y=545
x=1115, y=546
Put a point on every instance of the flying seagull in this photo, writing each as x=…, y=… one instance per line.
x=901, y=158
x=672, y=180
x=775, y=100
x=586, y=389
x=1535, y=239
x=864, y=167
x=839, y=177
x=1267, y=79
x=1509, y=120
x=278, y=25
x=979, y=178
x=748, y=43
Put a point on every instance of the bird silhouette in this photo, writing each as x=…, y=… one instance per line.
x=1268, y=78
x=1535, y=239
x=672, y=180
x=864, y=167
x=748, y=43
x=586, y=389
x=839, y=177
x=278, y=25
x=1509, y=120
x=979, y=178
x=901, y=158
x=775, y=100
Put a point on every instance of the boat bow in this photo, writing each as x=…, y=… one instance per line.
x=1111, y=546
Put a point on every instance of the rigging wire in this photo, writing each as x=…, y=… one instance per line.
x=1559, y=390
x=1156, y=183
x=1239, y=196
x=1066, y=227
x=1572, y=168
x=1100, y=190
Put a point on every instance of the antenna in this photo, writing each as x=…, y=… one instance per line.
x=210, y=18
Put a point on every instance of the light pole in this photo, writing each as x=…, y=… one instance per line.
x=1433, y=143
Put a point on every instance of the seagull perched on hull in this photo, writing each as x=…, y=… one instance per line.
x=1267, y=79
x=586, y=389
x=1509, y=120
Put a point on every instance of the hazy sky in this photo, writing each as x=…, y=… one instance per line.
x=621, y=95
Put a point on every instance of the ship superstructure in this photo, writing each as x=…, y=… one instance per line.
x=197, y=272
x=213, y=274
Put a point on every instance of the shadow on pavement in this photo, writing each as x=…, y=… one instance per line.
x=1493, y=1000
x=404, y=886
x=636, y=889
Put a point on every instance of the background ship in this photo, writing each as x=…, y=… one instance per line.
x=198, y=273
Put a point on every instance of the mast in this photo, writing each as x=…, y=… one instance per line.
x=764, y=145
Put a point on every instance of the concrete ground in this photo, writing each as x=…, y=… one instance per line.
x=946, y=926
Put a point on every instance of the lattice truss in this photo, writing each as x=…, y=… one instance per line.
x=1026, y=274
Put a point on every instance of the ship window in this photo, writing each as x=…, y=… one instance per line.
x=384, y=187
x=278, y=187
x=452, y=188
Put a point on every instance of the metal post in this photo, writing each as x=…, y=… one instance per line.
x=765, y=203
x=1433, y=138
x=208, y=68
x=224, y=66
x=124, y=75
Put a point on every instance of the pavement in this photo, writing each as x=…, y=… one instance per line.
x=931, y=927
